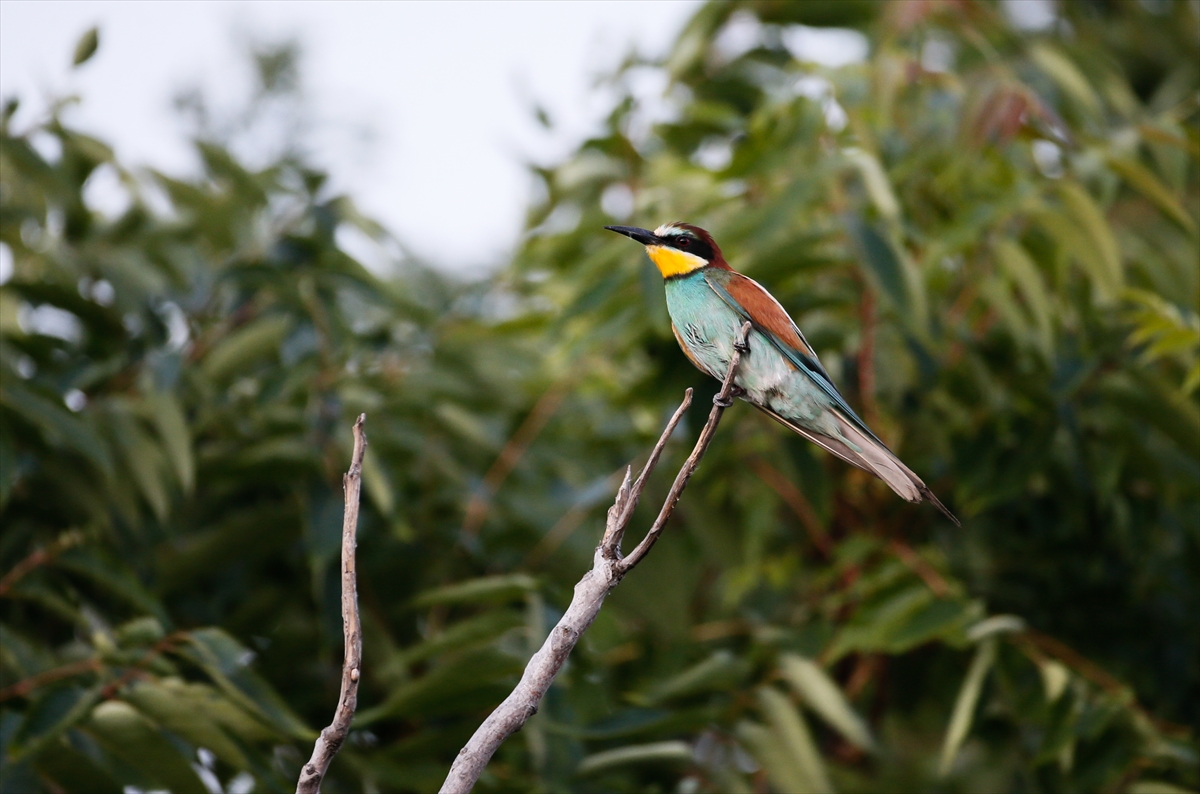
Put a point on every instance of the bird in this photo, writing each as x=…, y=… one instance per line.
x=780, y=375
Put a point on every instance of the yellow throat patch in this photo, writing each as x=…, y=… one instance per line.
x=672, y=261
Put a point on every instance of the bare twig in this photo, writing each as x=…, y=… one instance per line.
x=331, y=739
x=608, y=567
x=545, y=408
x=866, y=358
x=933, y=580
x=40, y=557
x=797, y=501
x=27, y=685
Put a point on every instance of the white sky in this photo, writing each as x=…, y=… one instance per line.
x=445, y=88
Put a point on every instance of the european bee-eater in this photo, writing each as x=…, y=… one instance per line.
x=709, y=302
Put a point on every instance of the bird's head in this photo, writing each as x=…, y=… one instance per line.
x=676, y=249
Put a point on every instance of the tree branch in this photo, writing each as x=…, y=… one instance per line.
x=608, y=568
x=331, y=739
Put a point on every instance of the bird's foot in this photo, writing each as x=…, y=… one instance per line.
x=743, y=348
x=734, y=393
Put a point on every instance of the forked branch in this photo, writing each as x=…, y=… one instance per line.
x=608, y=568
x=332, y=738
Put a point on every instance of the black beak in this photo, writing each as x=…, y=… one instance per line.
x=634, y=233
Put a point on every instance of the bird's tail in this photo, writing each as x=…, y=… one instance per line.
x=874, y=457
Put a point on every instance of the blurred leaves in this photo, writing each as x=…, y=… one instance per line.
x=178, y=378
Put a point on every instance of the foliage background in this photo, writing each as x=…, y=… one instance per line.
x=989, y=236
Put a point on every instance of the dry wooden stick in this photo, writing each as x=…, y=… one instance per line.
x=608, y=568
x=331, y=739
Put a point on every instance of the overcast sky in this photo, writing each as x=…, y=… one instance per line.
x=422, y=110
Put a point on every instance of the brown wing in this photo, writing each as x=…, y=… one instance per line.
x=766, y=312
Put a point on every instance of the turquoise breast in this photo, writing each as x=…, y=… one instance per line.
x=708, y=328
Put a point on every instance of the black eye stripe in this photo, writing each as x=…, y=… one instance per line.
x=690, y=244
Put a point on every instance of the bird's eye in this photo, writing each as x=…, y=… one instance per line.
x=682, y=242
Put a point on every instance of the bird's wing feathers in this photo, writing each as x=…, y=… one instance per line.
x=752, y=302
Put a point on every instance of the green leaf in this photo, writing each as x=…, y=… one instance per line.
x=891, y=272
x=198, y=714
x=820, y=693
x=172, y=428
x=1024, y=273
x=138, y=742
x=256, y=339
x=74, y=771
x=376, y=483
x=464, y=683
x=85, y=48
x=720, y=671
x=52, y=713
x=1157, y=787
x=964, y=705
x=469, y=633
x=58, y=426
x=1066, y=74
x=485, y=590
x=1145, y=182
x=791, y=731
x=767, y=748
x=656, y=752
x=104, y=570
x=1105, y=263
x=228, y=663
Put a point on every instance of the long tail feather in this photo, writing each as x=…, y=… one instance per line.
x=874, y=458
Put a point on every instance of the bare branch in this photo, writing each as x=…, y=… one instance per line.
x=40, y=557
x=331, y=739
x=722, y=401
x=608, y=568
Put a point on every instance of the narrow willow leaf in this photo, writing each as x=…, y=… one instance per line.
x=822, y=695
x=875, y=180
x=1024, y=273
x=995, y=291
x=53, y=712
x=1107, y=270
x=147, y=465
x=106, y=571
x=375, y=480
x=1192, y=380
x=1055, y=677
x=190, y=711
x=964, y=706
x=488, y=589
x=468, y=633
x=58, y=426
x=1059, y=734
x=767, y=748
x=1158, y=406
x=72, y=770
x=996, y=624
x=172, y=428
x=468, y=681
x=655, y=752
x=1144, y=181
x=254, y=340
x=227, y=662
x=792, y=732
x=719, y=670
x=1066, y=75
x=1157, y=787
x=892, y=272
x=138, y=742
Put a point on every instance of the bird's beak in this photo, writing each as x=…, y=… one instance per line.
x=643, y=236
